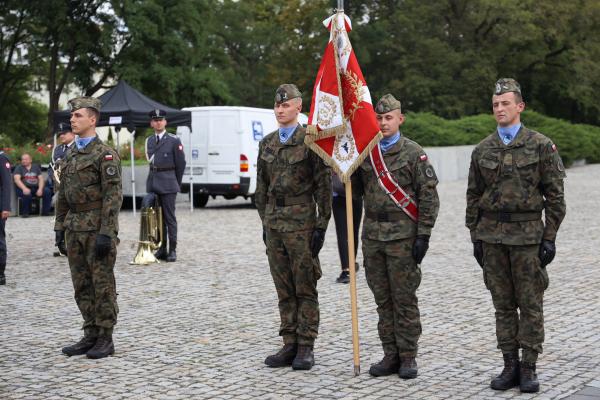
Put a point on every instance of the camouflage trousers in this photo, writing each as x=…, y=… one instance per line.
x=516, y=280
x=295, y=274
x=94, y=282
x=393, y=276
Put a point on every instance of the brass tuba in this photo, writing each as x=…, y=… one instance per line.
x=151, y=231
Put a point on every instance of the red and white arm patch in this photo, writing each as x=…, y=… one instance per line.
x=554, y=148
x=108, y=157
x=180, y=147
x=7, y=165
x=423, y=157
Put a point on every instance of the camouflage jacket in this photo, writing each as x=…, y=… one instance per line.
x=410, y=168
x=90, y=176
x=524, y=176
x=292, y=173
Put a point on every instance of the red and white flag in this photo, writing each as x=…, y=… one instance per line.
x=342, y=124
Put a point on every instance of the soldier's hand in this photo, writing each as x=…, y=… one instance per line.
x=478, y=252
x=316, y=242
x=103, y=245
x=420, y=248
x=59, y=241
x=547, y=252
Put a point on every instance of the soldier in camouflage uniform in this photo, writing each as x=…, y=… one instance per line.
x=515, y=174
x=87, y=213
x=293, y=197
x=393, y=244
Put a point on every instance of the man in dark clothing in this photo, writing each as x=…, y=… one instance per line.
x=5, y=183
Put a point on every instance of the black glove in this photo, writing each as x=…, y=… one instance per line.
x=478, y=252
x=103, y=245
x=547, y=252
x=59, y=241
x=420, y=248
x=316, y=242
x=265, y=236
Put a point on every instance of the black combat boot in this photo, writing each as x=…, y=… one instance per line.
x=408, y=368
x=2, y=277
x=305, y=359
x=81, y=347
x=387, y=366
x=529, y=380
x=172, y=256
x=161, y=254
x=104, y=347
x=283, y=357
x=509, y=377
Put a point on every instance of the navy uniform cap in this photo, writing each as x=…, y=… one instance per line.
x=63, y=127
x=157, y=114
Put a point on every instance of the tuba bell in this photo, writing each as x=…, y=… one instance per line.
x=151, y=231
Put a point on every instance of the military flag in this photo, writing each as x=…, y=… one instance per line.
x=342, y=127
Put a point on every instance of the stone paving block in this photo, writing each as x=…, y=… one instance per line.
x=201, y=327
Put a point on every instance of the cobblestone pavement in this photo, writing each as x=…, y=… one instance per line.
x=201, y=327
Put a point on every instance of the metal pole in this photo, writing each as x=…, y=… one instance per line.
x=191, y=173
x=340, y=6
x=133, y=171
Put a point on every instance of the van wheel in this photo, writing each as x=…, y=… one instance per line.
x=200, y=200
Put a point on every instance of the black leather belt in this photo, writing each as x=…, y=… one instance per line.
x=390, y=216
x=160, y=169
x=505, y=216
x=284, y=201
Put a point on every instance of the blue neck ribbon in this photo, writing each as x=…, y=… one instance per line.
x=387, y=142
x=507, y=133
x=83, y=142
x=286, y=133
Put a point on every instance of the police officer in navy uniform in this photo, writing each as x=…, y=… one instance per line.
x=6, y=183
x=59, y=155
x=66, y=137
x=164, y=151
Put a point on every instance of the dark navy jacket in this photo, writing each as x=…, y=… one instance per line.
x=59, y=153
x=167, y=163
x=6, y=182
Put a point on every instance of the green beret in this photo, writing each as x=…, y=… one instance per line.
x=505, y=85
x=286, y=92
x=386, y=104
x=85, y=102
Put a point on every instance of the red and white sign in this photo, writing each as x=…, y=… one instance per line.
x=342, y=123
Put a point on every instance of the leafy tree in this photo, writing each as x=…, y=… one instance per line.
x=173, y=56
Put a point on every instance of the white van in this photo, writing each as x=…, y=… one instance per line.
x=222, y=149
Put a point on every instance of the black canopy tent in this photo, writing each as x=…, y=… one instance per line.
x=123, y=106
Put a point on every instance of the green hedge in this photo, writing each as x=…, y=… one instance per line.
x=574, y=141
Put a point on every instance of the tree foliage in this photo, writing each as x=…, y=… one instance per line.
x=441, y=57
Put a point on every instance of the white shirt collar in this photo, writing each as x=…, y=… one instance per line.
x=160, y=134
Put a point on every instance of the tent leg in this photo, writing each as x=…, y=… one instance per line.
x=133, y=172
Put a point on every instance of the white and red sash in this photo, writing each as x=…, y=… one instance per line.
x=391, y=187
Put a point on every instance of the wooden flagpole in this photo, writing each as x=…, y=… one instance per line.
x=352, y=269
x=351, y=244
